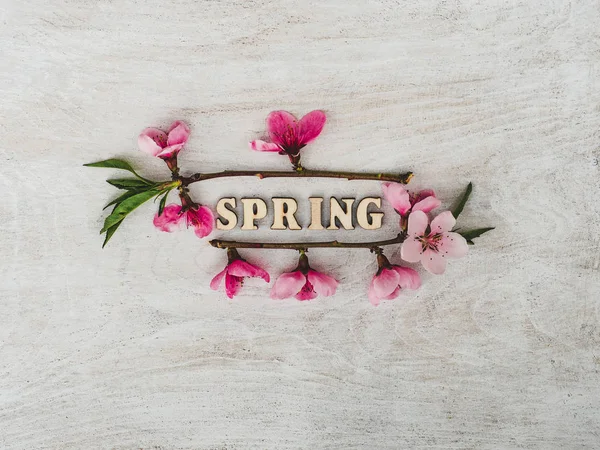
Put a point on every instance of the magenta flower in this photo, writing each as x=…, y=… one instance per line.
x=199, y=217
x=170, y=219
x=234, y=273
x=164, y=145
x=432, y=245
x=390, y=279
x=288, y=135
x=404, y=202
x=303, y=283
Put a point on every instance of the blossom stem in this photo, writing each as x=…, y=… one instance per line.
x=402, y=178
x=220, y=243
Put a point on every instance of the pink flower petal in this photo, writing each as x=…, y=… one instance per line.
x=433, y=262
x=423, y=194
x=409, y=278
x=310, y=126
x=158, y=136
x=322, y=284
x=233, y=285
x=417, y=223
x=385, y=282
x=411, y=250
x=373, y=297
x=216, y=281
x=262, y=146
x=307, y=292
x=241, y=268
x=169, y=151
x=427, y=204
x=152, y=141
x=443, y=222
x=397, y=196
x=393, y=295
x=453, y=245
x=288, y=284
x=202, y=219
x=281, y=126
x=170, y=218
x=178, y=134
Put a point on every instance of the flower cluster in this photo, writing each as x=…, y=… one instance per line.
x=166, y=146
x=430, y=241
x=303, y=283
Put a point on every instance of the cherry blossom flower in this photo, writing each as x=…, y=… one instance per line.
x=303, y=283
x=405, y=202
x=199, y=217
x=434, y=244
x=234, y=273
x=288, y=135
x=164, y=145
x=170, y=219
x=390, y=279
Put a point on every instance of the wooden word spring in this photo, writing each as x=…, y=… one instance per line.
x=284, y=210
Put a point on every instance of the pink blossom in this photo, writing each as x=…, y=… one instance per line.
x=235, y=272
x=390, y=279
x=199, y=217
x=164, y=145
x=289, y=135
x=303, y=283
x=170, y=218
x=404, y=202
x=435, y=244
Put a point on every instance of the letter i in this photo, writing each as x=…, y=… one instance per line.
x=315, y=213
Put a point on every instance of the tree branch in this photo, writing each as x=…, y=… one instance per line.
x=402, y=178
x=219, y=243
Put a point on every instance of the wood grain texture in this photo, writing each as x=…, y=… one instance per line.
x=127, y=347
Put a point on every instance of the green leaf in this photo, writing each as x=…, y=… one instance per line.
x=112, y=163
x=163, y=201
x=463, y=201
x=117, y=164
x=469, y=235
x=122, y=197
x=110, y=232
x=129, y=183
x=126, y=206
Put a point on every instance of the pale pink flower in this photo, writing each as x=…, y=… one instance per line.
x=199, y=217
x=432, y=245
x=289, y=135
x=235, y=272
x=303, y=283
x=405, y=202
x=390, y=279
x=164, y=145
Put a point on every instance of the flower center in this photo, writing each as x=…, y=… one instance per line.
x=307, y=288
x=160, y=140
x=430, y=241
x=192, y=218
x=412, y=198
x=290, y=140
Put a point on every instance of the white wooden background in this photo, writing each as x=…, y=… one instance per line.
x=127, y=347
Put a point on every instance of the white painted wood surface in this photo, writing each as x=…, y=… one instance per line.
x=127, y=347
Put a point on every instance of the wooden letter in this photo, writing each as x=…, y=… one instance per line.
x=226, y=213
x=369, y=221
x=284, y=208
x=315, y=214
x=254, y=208
x=336, y=212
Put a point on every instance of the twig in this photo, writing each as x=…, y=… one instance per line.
x=219, y=243
x=403, y=178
